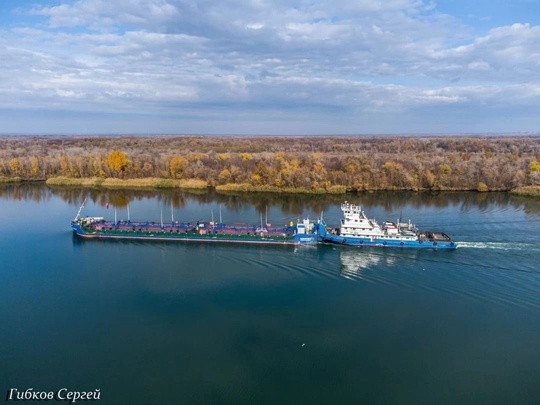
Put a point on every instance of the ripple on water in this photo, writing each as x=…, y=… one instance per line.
x=303, y=261
x=506, y=246
x=493, y=276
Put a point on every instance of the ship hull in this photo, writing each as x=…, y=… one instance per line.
x=388, y=243
x=253, y=239
x=330, y=238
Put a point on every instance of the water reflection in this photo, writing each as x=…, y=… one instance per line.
x=28, y=191
x=356, y=260
x=288, y=204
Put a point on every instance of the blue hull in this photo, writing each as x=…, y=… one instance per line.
x=326, y=237
x=350, y=241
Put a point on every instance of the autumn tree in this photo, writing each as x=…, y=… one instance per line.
x=177, y=167
x=117, y=161
x=225, y=176
x=34, y=166
x=15, y=166
x=534, y=169
x=534, y=166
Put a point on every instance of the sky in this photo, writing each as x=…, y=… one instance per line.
x=269, y=67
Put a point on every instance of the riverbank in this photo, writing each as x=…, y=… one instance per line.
x=10, y=179
x=194, y=184
x=244, y=187
x=531, y=191
x=149, y=182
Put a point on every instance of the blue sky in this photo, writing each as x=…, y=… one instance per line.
x=282, y=67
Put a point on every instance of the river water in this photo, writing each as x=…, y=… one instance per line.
x=151, y=322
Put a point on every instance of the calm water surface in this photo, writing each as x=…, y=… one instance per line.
x=192, y=323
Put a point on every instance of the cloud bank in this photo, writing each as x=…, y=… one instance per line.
x=264, y=67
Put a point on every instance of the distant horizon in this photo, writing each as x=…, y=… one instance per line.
x=277, y=68
x=464, y=134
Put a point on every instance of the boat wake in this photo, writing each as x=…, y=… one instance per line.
x=521, y=246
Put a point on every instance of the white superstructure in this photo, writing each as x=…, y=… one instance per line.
x=356, y=224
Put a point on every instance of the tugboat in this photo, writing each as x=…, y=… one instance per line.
x=356, y=229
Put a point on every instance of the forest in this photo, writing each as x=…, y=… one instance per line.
x=317, y=164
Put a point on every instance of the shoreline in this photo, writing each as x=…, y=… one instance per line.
x=308, y=165
x=194, y=184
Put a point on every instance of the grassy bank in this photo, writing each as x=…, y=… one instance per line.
x=244, y=187
x=528, y=190
x=154, y=182
x=10, y=179
x=149, y=182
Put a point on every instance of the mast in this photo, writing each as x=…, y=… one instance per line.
x=161, y=217
x=128, y=211
x=115, y=220
x=79, y=212
x=172, y=213
x=220, y=220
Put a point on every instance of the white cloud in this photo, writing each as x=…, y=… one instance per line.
x=336, y=57
x=94, y=13
x=509, y=53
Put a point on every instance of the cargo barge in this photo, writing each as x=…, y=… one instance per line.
x=303, y=232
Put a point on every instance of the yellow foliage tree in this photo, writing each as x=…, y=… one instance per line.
x=445, y=169
x=34, y=166
x=482, y=187
x=256, y=178
x=117, y=161
x=534, y=166
x=15, y=166
x=177, y=167
x=225, y=176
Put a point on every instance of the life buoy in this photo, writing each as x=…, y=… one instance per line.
x=401, y=243
x=434, y=243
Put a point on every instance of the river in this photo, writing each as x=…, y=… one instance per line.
x=151, y=322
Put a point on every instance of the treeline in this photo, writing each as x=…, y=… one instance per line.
x=317, y=164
